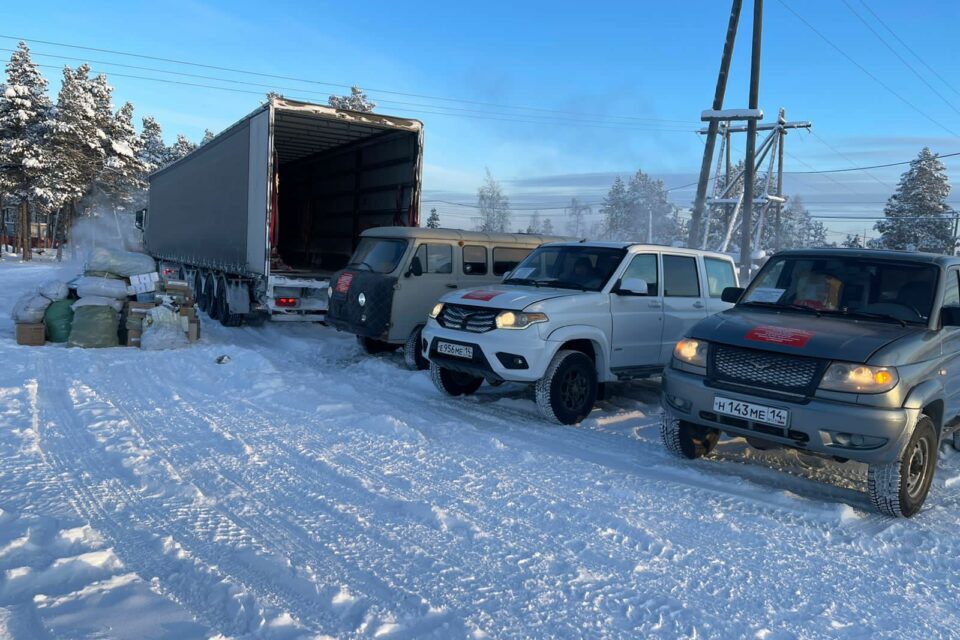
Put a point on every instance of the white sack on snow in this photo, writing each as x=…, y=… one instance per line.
x=122, y=263
x=106, y=287
x=54, y=290
x=162, y=330
x=30, y=308
x=98, y=301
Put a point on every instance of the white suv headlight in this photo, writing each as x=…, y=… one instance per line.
x=518, y=320
x=690, y=351
x=437, y=309
x=859, y=378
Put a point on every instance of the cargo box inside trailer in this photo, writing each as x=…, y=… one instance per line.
x=336, y=177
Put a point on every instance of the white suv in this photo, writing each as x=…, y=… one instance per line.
x=573, y=316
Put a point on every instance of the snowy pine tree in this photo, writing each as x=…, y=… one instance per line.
x=25, y=112
x=917, y=215
x=433, y=221
x=649, y=212
x=576, y=214
x=534, y=225
x=207, y=136
x=547, y=228
x=616, y=212
x=852, y=242
x=153, y=152
x=122, y=177
x=179, y=149
x=494, y=206
x=356, y=101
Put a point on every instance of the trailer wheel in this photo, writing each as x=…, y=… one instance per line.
x=227, y=318
x=210, y=292
x=412, y=354
x=198, y=291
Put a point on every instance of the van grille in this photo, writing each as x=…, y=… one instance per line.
x=792, y=374
x=464, y=318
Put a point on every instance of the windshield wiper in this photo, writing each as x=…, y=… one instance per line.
x=564, y=284
x=782, y=305
x=361, y=263
x=872, y=315
x=523, y=281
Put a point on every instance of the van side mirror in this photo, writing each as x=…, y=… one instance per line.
x=141, y=219
x=634, y=287
x=731, y=294
x=416, y=268
x=950, y=316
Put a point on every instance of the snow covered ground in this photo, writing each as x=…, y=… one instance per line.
x=302, y=490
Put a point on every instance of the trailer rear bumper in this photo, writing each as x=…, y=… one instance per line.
x=296, y=299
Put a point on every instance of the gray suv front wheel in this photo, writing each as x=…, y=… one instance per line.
x=899, y=488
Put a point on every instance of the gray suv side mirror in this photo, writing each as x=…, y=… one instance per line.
x=950, y=317
x=731, y=294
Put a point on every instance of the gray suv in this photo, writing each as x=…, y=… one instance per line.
x=844, y=353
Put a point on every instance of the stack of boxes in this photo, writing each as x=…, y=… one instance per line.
x=152, y=291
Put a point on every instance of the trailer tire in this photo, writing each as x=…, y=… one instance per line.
x=213, y=302
x=227, y=318
x=454, y=383
x=412, y=354
x=202, y=301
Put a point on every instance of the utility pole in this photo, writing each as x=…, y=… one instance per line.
x=693, y=233
x=746, y=259
x=781, y=120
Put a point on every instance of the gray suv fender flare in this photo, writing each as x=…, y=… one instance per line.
x=922, y=395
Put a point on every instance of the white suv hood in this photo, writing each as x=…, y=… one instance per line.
x=515, y=298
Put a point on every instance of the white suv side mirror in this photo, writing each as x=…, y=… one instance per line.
x=635, y=286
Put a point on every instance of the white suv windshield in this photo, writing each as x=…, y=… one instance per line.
x=568, y=267
x=381, y=255
x=860, y=288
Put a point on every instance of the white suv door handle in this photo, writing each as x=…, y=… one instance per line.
x=698, y=304
x=655, y=304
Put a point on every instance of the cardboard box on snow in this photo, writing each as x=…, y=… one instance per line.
x=145, y=282
x=33, y=334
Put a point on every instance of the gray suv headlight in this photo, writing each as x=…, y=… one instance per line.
x=692, y=352
x=859, y=378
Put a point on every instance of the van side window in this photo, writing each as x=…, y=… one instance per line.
x=719, y=276
x=680, y=278
x=506, y=258
x=645, y=267
x=951, y=295
x=475, y=260
x=436, y=258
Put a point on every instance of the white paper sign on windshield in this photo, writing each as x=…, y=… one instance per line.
x=765, y=294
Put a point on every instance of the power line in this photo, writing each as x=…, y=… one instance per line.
x=907, y=47
x=545, y=118
x=900, y=58
x=867, y=72
x=331, y=84
x=874, y=166
x=836, y=151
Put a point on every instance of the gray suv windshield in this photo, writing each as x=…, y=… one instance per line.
x=860, y=288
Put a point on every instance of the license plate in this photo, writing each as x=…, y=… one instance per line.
x=456, y=350
x=751, y=411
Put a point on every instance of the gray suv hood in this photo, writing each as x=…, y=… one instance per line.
x=801, y=333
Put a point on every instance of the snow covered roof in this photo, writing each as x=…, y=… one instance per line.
x=458, y=234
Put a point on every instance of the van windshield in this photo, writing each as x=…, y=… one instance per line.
x=858, y=288
x=380, y=255
x=568, y=267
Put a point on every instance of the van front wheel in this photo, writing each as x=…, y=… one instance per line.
x=412, y=354
x=567, y=391
x=454, y=383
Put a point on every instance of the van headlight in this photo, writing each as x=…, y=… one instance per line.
x=859, y=378
x=437, y=310
x=518, y=320
x=692, y=352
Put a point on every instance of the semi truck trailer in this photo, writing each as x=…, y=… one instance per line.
x=259, y=217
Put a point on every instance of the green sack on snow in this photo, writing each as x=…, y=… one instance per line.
x=59, y=319
x=94, y=327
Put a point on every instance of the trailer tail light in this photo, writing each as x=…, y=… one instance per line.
x=286, y=302
x=170, y=271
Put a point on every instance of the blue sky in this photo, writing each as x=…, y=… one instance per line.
x=643, y=71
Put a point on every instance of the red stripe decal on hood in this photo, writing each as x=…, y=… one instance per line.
x=486, y=296
x=778, y=335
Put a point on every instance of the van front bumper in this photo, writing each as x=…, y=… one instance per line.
x=819, y=426
x=502, y=354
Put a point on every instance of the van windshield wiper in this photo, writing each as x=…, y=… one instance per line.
x=361, y=263
x=782, y=305
x=523, y=281
x=872, y=315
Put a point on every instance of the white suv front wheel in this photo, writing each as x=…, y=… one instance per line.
x=567, y=391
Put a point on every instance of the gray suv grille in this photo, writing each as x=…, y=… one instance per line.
x=464, y=318
x=764, y=369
